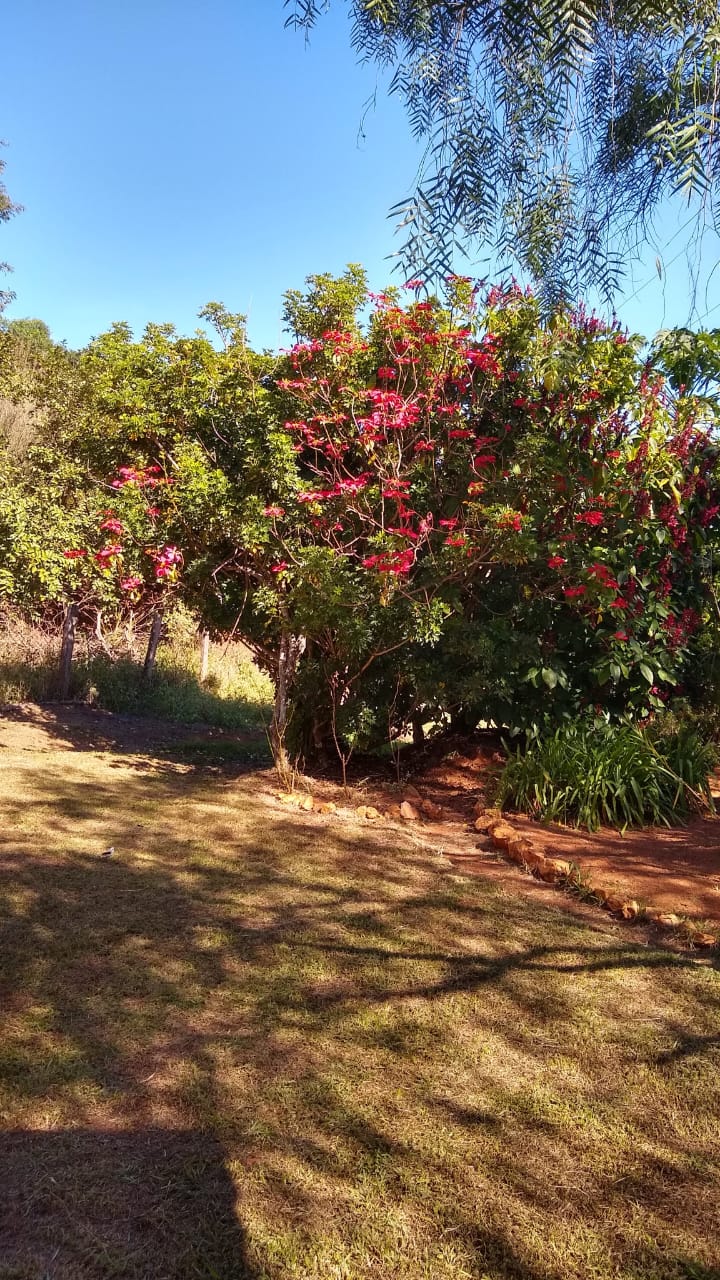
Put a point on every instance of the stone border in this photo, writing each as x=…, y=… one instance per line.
x=519, y=849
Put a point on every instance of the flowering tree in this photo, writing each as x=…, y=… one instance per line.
x=128, y=563
x=487, y=515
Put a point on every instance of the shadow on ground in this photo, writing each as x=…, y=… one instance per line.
x=252, y=1044
x=148, y=1203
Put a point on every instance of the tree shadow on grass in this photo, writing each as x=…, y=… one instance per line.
x=321, y=1025
x=195, y=744
x=152, y=1204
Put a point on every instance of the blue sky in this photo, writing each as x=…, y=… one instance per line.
x=169, y=154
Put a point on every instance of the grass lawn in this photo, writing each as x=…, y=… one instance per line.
x=264, y=1044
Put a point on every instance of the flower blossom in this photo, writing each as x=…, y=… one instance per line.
x=107, y=553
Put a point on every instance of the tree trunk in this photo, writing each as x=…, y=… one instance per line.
x=418, y=730
x=291, y=649
x=66, y=650
x=153, y=643
x=204, y=656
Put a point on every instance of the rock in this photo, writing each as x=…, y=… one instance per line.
x=430, y=809
x=554, y=869
x=483, y=823
x=501, y=833
x=666, y=920
x=393, y=811
x=287, y=797
x=699, y=939
x=325, y=806
x=372, y=814
x=411, y=794
x=518, y=849
x=409, y=812
x=305, y=802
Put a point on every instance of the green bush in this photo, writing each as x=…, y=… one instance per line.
x=592, y=774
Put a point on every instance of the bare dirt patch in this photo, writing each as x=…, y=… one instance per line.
x=675, y=870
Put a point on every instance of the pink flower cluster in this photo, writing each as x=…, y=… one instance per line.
x=167, y=561
x=144, y=478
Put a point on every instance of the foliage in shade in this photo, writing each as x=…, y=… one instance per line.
x=596, y=774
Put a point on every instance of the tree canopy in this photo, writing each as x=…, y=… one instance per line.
x=553, y=128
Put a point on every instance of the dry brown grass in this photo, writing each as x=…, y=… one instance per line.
x=264, y=1044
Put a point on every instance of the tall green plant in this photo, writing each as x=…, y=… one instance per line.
x=596, y=774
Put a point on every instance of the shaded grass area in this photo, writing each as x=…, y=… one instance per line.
x=235, y=696
x=259, y=1045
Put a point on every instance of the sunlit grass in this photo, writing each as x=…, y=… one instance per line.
x=263, y=1044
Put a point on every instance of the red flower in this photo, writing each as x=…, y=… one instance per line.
x=279, y=567
x=387, y=373
x=556, y=561
x=590, y=517
x=113, y=526
x=107, y=553
x=620, y=635
x=75, y=553
x=274, y=512
x=573, y=592
x=130, y=584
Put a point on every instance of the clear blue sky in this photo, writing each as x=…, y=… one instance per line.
x=169, y=154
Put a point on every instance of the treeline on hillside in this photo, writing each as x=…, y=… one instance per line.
x=451, y=511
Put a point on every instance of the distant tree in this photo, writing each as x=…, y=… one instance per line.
x=552, y=128
x=7, y=209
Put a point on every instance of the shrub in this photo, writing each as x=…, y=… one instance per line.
x=588, y=774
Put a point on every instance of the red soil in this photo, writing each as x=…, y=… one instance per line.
x=674, y=870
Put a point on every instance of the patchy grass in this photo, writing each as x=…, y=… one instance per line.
x=263, y=1045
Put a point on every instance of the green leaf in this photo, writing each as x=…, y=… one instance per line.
x=550, y=677
x=646, y=672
